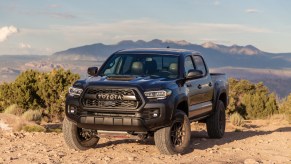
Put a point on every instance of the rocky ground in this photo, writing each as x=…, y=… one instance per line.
x=257, y=142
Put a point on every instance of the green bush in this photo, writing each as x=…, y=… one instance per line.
x=250, y=100
x=285, y=108
x=236, y=119
x=33, y=128
x=14, y=109
x=32, y=115
x=37, y=90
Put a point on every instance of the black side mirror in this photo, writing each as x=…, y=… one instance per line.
x=92, y=71
x=194, y=74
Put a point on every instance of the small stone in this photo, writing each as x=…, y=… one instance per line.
x=106, y=158
x=203, y=139
x=131, y=158
x=12, y=158
x=250, y=161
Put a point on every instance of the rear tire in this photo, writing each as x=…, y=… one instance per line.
x=175, y=138
x=74, y=138
x=216, y=122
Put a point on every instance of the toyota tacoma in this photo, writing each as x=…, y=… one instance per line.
x=146, y=93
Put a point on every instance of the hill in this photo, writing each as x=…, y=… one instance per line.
x=216, y=55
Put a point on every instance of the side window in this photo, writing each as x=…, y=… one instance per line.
x=188, y=64
x=200, y=65
x=111, y=68
x=127, y=64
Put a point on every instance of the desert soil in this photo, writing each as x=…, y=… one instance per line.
x=258, y=141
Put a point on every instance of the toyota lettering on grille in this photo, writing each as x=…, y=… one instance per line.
x=107, y=96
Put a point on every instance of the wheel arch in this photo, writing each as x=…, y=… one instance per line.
x=181, y=104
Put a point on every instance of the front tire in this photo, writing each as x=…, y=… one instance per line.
x=175, y=138
x=216, y=122
x=76, y=138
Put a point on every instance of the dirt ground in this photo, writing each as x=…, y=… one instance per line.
x=259, y=141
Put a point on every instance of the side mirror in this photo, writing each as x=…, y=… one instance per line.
x=194, y=74
x=92, y=71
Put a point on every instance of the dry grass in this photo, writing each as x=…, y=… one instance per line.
x=280, y=119
x=33, y=128
x=14, y=109
x=236, y=119
x=32, y=115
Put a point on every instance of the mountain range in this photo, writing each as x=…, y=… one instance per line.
x=242, y=62
x=216, y=55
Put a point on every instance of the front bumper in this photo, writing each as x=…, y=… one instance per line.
x=139, y=120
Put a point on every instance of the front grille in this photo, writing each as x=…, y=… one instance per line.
x=111, y=98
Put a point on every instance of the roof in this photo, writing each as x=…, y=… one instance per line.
x=159, y=51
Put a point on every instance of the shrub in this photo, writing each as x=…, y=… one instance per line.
x=33, y=128
x=250, y=100
x=236, y=119
x=14, y=109
x=34, y=90
x=285, y=108
x=32, y=115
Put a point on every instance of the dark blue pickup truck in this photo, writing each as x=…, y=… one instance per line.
x=144, y=93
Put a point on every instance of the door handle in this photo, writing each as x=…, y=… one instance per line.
x=210, y=84
x=189, y=85
x=199, y=86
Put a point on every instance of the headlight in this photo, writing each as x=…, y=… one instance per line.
x=75, y=91
x=161, y=94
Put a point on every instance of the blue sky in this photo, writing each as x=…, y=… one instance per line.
x=44, y=27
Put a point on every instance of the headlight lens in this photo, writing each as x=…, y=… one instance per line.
x=75, y=91
x=161, y=94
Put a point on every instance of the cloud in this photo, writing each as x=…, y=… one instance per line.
x=61, y=15
x=24, y=46
x=252, y=11
x=216, y=3
x=54, y=6
x=6, y=31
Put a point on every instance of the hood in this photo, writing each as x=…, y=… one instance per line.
x=144, y=83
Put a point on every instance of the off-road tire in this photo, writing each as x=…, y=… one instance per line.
x=73, y=138
x=216, y=122
x=164, y=137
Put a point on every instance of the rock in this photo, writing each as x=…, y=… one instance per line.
x=12, y=158
x=250, y=161
x=61, y=154
x=131, y=158
x=107, y=158
x=203, y=139
x=1, y=160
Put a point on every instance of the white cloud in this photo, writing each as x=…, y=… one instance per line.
x=54, y=6
x=6, y=31
x=216, y=3
x=24, y=46
x=252, y=11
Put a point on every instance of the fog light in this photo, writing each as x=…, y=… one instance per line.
x=72, y=110
x=156, y=113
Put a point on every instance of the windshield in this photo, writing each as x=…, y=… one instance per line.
x=165, y=66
